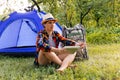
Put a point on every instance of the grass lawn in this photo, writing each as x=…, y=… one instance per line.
x=103, y=64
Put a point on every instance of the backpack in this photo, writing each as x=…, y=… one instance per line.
x=77, y=33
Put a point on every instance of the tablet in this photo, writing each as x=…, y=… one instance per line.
x=71, y=49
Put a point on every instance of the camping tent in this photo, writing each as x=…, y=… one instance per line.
x=18, y=32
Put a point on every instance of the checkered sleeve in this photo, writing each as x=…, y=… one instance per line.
x=41, y=45
x=65, y=41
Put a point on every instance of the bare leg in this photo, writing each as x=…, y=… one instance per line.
x=46, y=57
x=42, y=60
x=53, y=57
x=62, y=59
x=66, y=62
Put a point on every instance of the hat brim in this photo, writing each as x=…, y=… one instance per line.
x=44, y=21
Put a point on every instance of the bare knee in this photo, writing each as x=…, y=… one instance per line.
x=42, y=59
x=53, y=57
x=63, y=56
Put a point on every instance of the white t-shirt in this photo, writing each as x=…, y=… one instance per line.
x=51, y=41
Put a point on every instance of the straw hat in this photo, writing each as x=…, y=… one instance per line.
x=48, y=17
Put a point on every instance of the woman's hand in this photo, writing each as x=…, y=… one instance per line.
x=81, y=44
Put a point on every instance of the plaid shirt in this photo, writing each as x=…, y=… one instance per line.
x=42, y=42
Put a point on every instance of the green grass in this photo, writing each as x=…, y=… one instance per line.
x=103, y=64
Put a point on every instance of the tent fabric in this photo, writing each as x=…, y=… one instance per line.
x=18, y=32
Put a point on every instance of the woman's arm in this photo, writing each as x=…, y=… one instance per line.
x=41, y=44
x=65, y=41
x=69, y=42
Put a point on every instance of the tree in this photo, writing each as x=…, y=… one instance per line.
x=83, y=8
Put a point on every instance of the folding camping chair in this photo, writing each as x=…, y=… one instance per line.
x=77, y=33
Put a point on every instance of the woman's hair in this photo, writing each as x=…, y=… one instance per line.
x=44, y=23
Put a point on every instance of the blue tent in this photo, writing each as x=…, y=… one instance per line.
x=18, y=33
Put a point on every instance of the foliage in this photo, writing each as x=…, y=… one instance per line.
x=101, y=14
x=70, y=12
x=103, y=35
x=102, y=65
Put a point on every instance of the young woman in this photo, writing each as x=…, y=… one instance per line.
x=47, y=45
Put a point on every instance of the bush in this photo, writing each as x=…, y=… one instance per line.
x=103, y=35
